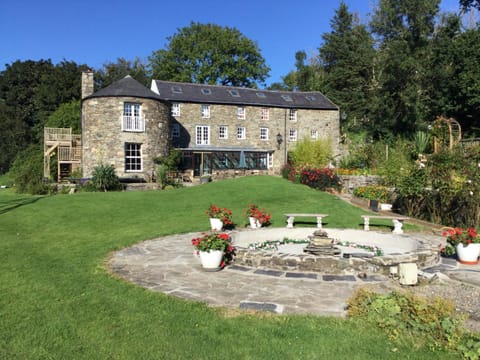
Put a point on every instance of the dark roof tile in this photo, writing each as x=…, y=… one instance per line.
x=128, y=87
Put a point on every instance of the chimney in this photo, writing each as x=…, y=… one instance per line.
x=87, y=83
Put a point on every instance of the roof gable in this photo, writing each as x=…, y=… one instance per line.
x=214, y=94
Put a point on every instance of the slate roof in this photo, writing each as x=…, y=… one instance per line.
x=213, y=94
x=128, y=87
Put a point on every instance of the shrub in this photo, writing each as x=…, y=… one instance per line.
x=434, y=321
x=311, y=153
x=320, y=179
x=372, y=192
x=104, y=178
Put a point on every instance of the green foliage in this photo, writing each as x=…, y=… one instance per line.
x=104, y=178
x=372, y=192
x=111, y=72
x=210, y=54
x=314, y=153
x=399, y=164
x=321, y=179
x=66, y=116
x=27, y=172
x=434, y=321
x=422, y=141
x=162, y=176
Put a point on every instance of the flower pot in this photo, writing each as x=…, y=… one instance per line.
x=216, y=224
x=211, y=260
x=254, y=223
x=468, y=254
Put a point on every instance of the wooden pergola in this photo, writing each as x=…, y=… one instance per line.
x=453, y=133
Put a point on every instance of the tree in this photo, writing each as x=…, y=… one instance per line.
x=112, y=72
x=347, y=57
x=66, y=116
x=403, y=30
x=468, y=4
x=210, y=54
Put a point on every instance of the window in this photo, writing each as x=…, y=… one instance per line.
x=292, y=114
x=206, y=111
x=202, y=135
x=177, y=89
x=175, y=109
x=261, y=95
x=133, y=157
x=263, y=133
x=206, y=91
x=292, y=135
x=234, y=93
x=265, y=114
x=175, y=130
x=131, y=119
x=241, y=113
x=223, y=132
x=310, y=98
x=241, y=133
x=314, y=134
x=287, y=98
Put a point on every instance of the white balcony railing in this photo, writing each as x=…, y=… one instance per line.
x=133, y=123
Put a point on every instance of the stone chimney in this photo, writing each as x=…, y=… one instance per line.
x=87, y=83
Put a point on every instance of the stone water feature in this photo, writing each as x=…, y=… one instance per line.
x=328, y=258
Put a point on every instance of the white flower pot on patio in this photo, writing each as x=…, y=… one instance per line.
x=216, y=224
x=211, y=260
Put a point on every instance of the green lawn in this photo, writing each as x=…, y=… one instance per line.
x=57, y=301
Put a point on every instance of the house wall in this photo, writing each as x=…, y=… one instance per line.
x=104, y=140
x=326, y=122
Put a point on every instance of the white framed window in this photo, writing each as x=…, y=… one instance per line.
x=133, y=157
x=265, y=114
x=132, y=119
x=206, y=111
x=270, y=161
x=202, y=135
x=292, y=114
x=223, y=132
x=241, y=113
x=175, y=109
x=175, y=130
x=263, y=133
x=241, y=133
x=314, y=134
x=292, y=135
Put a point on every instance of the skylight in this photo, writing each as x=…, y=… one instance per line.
x=261, y=95
x=206, y=91
x=177, y=89
x=287, y=98
x=310, y=98
x=234, y=93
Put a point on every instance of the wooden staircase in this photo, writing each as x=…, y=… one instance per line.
x=68, y=149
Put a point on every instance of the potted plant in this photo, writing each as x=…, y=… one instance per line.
x=205, y=178
x=219, y=217
x=215, y=250
x=465, y=243
x=256, y=216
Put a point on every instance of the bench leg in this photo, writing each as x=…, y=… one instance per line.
x=397, y=226
x=319, y=222
x=290, y=222
x=366, y=223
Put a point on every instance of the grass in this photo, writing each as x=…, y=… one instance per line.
x=59, y=302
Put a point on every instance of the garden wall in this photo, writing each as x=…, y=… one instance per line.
x=351, y=182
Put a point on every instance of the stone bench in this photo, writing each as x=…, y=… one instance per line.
x=396, y=219
x=291, y=219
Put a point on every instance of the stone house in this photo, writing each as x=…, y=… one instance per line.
x=221, y=131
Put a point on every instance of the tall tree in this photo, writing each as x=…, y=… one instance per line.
x=210, y=54
x=403, y=29
x=347, y=55
x=111, y=72
x=468, y=4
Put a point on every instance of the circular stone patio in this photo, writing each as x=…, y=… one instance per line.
x=168, y=265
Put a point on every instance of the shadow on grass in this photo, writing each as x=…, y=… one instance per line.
x=9, y=205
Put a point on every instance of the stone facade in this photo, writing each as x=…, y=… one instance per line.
x=104, y=141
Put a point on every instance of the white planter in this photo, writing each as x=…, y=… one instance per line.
x=216, y=224
x=254, y=223
x=211, y=260
x=386, y=207
x=468, y=254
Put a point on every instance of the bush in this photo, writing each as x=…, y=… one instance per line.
x=27, y=172
x=311, y=153
x=104, y=178
x=320, y=179
x=433, y=321
x=372, y=192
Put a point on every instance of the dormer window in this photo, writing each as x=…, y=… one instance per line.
x=132, y=119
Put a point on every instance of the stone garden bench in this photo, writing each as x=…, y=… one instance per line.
x=396, y=219
x=291, y=218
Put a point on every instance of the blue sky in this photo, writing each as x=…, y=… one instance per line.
x=95, y=32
